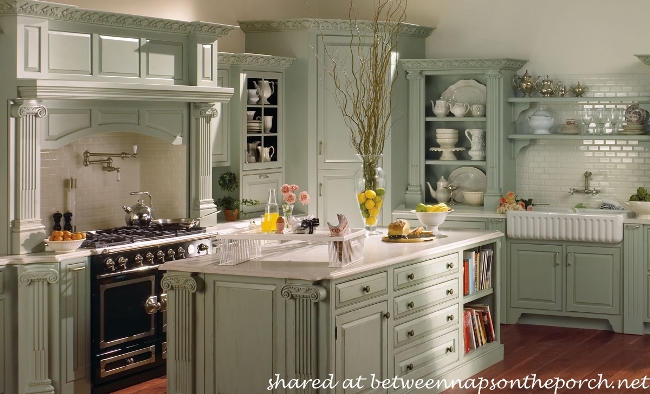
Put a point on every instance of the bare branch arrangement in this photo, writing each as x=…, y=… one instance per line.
x=363, y=87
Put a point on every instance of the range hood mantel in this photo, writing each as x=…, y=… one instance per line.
x=80, y=90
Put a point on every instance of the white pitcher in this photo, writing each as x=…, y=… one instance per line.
x=265, y=90
x=266, y=153
x=477, y=138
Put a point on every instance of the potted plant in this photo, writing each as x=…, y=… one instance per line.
x=228, y=182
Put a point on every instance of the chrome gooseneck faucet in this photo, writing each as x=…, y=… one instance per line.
x=586, y=190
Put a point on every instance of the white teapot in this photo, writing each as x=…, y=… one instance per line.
x=459, y=109
x=442, y=194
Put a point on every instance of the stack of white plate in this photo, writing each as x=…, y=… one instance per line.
x=254, y=126
x=632, y=129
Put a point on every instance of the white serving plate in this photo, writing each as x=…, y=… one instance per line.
x=466, y=91
x=469, y=179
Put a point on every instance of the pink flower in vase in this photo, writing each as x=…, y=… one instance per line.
x=294, y=188
x=290, y=198
x=304, y=198
x=285, y=189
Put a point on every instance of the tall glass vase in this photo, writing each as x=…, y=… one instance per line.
x=369, y=185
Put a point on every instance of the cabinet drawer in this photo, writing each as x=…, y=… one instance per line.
x=360, y=289
x=256, y=187
x=426, y=297
x=427, y=357
x=426, y=270
x=425, y=325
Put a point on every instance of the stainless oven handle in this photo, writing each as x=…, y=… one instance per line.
x=102, y=364
x=163, y=302
x=78, y=269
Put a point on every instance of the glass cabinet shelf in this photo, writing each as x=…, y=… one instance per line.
x=519, y=141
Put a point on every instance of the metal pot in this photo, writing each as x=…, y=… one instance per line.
x=186, y=223
x=139, y=214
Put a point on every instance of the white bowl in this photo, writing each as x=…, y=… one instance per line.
x=447, y=142
x=431, y=220
x=473, y=198
x=446, y=132
x=641, y=208
x=64, y=246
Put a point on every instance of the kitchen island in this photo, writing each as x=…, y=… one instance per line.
x=287, y=317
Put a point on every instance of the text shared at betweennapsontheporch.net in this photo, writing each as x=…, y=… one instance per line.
x=597, y=383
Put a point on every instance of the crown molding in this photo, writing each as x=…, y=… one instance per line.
x=67, y=13
x=326, y=24
x=466, y=64
x=252, y=59
x=76, y=90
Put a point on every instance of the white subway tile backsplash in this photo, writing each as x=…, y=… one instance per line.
x=99, y=197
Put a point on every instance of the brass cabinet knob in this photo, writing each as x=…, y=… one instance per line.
x=410, y=276
x=450, y=349
x=366, y=289
x=409, y=367
x=410, y=304
x=450, y=265
x=450, y=291
x=450, y=317
x=387, y=315
x=411, y=333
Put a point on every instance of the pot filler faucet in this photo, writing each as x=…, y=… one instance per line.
x=586, y=190
x=107, y=163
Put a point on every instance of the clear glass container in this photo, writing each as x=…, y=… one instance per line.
x=271, y=213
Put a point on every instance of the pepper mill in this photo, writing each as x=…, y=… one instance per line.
x=57, y=221
x=68, y=218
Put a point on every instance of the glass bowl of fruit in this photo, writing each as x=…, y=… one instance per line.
x=432, y=216
x=65, y=241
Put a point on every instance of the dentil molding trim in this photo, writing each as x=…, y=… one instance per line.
x=326, y=24
x=68, y=13
x=455, y=64
x=249, y=59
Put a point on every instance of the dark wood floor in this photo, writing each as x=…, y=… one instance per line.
x=548, y=352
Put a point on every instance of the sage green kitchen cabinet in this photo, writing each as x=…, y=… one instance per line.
x=428, y=80
x=565, y=280
x=362, y=346
x=321, y=157
x=249, y=140
x=74, y=318
x=220, y=127
x=4, y=360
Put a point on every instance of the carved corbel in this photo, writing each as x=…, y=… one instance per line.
x=314, y=293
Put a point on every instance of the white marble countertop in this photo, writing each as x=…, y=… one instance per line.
x=310, y=261
x=460, y=211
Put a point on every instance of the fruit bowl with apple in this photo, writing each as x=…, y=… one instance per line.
x=432, y=216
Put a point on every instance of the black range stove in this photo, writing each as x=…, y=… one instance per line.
x=128, y=304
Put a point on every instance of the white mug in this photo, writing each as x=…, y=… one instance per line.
x=478, y=110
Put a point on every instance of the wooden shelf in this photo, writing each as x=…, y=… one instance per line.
x=454, y=119
x=477, y=295
x=455, y=162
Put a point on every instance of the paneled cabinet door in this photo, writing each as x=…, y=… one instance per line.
x=362, y=347
x=336, y=195
x=220, y=127
x=75, y=331
x=256, y=187
x=464, y=224
x=536, y=280
x=3, y=323
x=593, y=279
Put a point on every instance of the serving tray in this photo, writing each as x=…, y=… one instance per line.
x=409, y=240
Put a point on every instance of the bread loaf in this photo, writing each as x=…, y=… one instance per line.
x=399, y=229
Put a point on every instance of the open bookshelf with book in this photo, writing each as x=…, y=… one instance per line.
x=480, y=325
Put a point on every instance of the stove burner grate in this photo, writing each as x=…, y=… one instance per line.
x=130, y=234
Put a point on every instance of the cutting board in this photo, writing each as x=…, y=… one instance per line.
x=409, y=240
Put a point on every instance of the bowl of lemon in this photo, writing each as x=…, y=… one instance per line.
x=65, y=241
x=432, y=216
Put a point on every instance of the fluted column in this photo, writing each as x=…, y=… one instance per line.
x=33, y=328
x=413, y=194
x=181, y=340
x=305, y=330
x=27, y=230
x=494, y=146
x=201, y=162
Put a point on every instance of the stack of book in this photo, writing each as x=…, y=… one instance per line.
x=477, y=270
x=477, y=323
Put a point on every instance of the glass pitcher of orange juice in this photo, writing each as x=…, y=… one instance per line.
x=271, y=213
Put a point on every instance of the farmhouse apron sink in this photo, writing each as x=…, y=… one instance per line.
x=567, y=224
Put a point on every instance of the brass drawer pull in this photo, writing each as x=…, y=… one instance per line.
x=450, y=318
x=410, y=276
x=263, y=176
x=411, y=333
x=387, y=315
x=411, y=304
x=366, y=289
x=409, y=367
x=450, y=349
x=450, y=291
x=78, y=269
x=450, y=265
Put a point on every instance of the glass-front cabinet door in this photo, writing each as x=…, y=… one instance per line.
x=263, y=120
